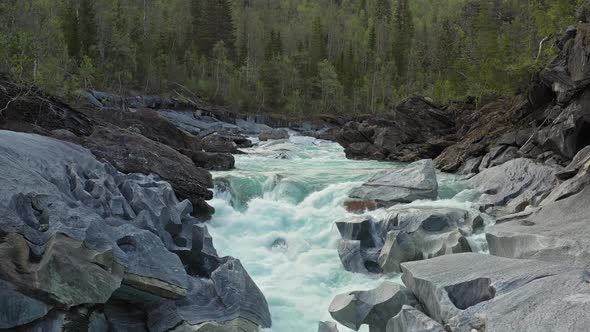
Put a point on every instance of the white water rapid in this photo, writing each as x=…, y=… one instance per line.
x=276, y=213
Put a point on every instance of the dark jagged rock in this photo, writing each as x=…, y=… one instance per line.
x=133, y=153
x=373, y=308
x=211, y=161
x=570, y=131
x=76, y=232
x=569, y=72
x=33, y=111
x=416, y=129
x=514, y=185
x=481, y=130
x=467, y=292
x=414, y=182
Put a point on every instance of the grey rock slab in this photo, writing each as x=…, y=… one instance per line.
x=557, y=232
x=450, y=284
x=413, y=182
x=513, y=184
x=374, y=307
x=549, y=303
x=410, y=319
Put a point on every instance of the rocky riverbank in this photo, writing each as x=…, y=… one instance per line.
x=528, y=160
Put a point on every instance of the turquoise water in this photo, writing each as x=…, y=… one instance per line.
x=296, y=201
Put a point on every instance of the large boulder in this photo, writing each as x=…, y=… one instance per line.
x=514, y=185
x=413, y=182
x=403, y=234
x=480, y=292
x=75, y=232
x=374, y=307
x=425, y=232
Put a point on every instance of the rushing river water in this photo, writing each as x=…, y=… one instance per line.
x=278, y=219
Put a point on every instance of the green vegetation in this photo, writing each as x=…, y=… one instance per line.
x=288, y=56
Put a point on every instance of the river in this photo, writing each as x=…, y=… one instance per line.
x=276, y=213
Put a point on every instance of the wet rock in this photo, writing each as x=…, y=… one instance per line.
x=414, y=182
x=513, y=183
x=219, y=144
x=279, y=244
x=211, y=161
x=374, y=307
x=273, y=134
x=229, y=294
x=327, y=327
x=420, y=233
x=356, y=258
x=357, y=228
x=411, y=319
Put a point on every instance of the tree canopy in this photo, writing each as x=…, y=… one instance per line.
x=288, y=56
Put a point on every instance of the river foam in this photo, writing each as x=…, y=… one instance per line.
x=276, y=213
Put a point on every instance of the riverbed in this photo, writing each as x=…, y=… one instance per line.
x=276, y=213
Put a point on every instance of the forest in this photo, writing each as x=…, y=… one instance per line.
x=290, y=57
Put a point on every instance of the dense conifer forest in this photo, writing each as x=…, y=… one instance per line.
x=292, y=57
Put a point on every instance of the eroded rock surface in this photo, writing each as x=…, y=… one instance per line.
x=479, y=292
x=514, y=185
x=374, y=307
x=75, y=232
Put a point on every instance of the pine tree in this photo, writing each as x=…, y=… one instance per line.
x=88, y=27
x=403, y=37
x=70, y=29
x=383, y=10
